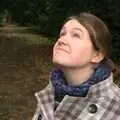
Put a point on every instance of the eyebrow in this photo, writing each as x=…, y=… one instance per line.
x=76, y=28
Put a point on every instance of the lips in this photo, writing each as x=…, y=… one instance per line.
x=62, y=49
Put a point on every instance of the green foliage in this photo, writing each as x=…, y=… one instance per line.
x=3, y=17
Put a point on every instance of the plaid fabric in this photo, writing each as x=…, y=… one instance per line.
x=104, y=95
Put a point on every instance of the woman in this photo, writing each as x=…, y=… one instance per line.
x=81, y=86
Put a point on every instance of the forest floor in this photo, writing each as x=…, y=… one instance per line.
x=24, y=69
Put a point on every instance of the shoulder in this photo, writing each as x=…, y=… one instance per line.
x=113, y=98
x=114, y=103
x=116, y=93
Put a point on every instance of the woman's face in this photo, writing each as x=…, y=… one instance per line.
x=73, y=48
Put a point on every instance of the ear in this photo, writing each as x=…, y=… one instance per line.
x=97, y=57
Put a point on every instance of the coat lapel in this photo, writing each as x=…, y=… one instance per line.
x=45, y=100
x=70, y=108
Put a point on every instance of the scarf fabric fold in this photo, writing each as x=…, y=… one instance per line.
x=102, y=72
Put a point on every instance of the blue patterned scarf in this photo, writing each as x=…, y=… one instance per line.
x=101, y=73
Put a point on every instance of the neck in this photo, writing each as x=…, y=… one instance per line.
x=78, y=75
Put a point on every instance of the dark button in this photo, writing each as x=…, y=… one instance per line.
x=92, y=108
x=39, y=117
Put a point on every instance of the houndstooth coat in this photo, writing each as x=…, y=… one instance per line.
x=101, y=103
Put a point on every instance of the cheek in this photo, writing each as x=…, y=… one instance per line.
x=83, y=54
x=54, y=47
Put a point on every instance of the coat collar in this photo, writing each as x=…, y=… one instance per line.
x=45, y=97
x=101, y=89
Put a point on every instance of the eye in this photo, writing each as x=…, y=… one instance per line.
x=62, y=33
x=76, y=35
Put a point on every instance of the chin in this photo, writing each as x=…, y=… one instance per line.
x=63, y=64
x=59, y=63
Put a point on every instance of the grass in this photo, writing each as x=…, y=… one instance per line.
x=27, y=33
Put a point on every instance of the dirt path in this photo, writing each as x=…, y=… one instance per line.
x=25, y=68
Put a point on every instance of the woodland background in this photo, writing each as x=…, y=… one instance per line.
x=28, y=30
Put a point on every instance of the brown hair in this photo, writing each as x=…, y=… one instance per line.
x=99, y=33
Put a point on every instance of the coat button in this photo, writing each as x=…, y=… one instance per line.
x=39, y=117
x=92, y=108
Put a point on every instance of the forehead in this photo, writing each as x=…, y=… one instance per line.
x=74, y=25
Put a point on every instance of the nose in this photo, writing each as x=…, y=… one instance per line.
x=63, y=39
x=61, y=42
